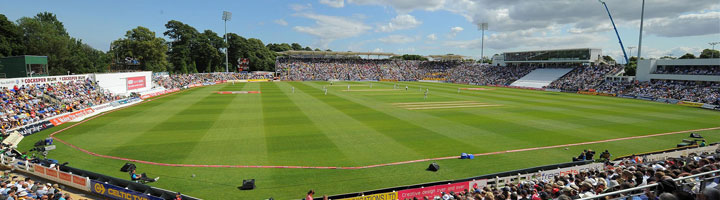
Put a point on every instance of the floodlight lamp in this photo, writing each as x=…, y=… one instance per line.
x=226, y=16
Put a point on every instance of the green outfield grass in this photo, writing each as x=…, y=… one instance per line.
x=363, y=126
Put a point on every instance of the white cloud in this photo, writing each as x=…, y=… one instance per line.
x=300, y=7
x=333, y=3
x=528, y=40
x=564, y=23
x=400, y=22
x=404, y=6
x=406, y=50
x=281, y=22
x=686, y=25
x=650, y=52
x=397, y=39
x=330, y=28
x=377, y=50
x=455, y=30
x=431, y=37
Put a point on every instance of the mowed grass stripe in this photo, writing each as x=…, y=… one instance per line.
x=358, y=141
x=238, y=126
x=127, y=125
x=652, y=109
x=179, y=134
x=292, y=138
x=407, y=132
x=604, y=125
x=552, y=105
x=640, y=116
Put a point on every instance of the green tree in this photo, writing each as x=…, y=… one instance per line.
x=608, y=58
x=259, y=55
x=11, y=38
x=687, y=56
x=182, y=37
x=668, y=57
x=296, y=47
x=142, y=44
x=486, y=60
x=207, y=52
x=709, y=53
x=279, y=47
x=44, y=34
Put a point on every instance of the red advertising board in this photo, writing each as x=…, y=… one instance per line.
x=135, y=82
x=39, y=169
x=69, y=117
x=51, y=172
x=79, y=180
x=432, y=191
x=65, y=176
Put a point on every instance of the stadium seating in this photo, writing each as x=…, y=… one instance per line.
x=539, y=78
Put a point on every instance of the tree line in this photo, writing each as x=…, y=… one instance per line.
x=186, y=50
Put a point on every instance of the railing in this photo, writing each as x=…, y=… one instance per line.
x=634, y=191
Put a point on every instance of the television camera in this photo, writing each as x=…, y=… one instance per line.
x=43, y=147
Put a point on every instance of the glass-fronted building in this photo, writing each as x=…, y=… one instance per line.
x=558, y=56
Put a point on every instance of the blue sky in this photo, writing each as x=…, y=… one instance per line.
x=425, y=27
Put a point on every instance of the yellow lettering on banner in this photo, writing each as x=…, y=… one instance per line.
x=114, y=192
x=381, y=196
x=691, y=104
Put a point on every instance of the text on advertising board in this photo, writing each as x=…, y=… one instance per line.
x=135, y=82
x=119, y=193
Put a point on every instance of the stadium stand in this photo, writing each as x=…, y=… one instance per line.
x=539, y=78
x=702, y=92
x=689, y=70
x=578, y=78
x=685, y=173
x=26, y=104
x=584, y=78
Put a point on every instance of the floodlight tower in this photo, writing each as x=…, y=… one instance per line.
x=712, y=54
x=616, y=31
x=226, y=17
x=631, y=48
x=483, y=26
x=642, y=17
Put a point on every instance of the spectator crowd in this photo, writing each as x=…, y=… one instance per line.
x=626, y=174
x=702, y=92
x=688, y=70
x=584, y=78
x=26, y=104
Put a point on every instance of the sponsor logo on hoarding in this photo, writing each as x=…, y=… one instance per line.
x=34, y=128
x=477, y=184
x=69, y=117
x=432, y=190
x=237, y=92
x=135, y=82
x=145, y=96
x=691, y=104
x=381, y=196
x=550, y=174
x=119, y=193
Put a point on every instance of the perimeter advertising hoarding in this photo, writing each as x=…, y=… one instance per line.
x=381, y=196
x=135, y=82
x=432, y=191
x=115, y=192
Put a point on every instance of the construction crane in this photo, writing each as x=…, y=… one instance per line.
x=616, y=32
